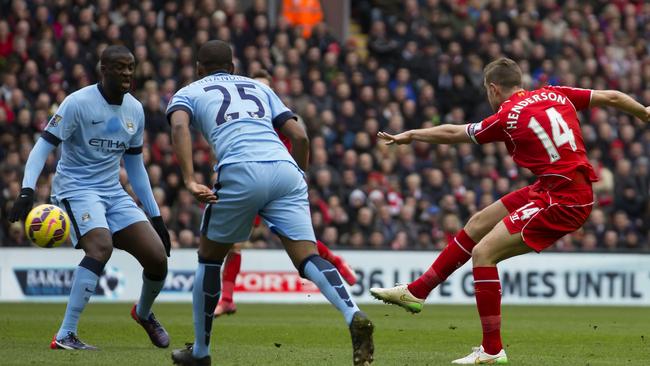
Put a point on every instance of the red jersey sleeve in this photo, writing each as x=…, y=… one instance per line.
x=580, y=98
x=488, y=130
x=285, y=140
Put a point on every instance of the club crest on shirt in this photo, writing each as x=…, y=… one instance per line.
x=130, y=126
x=54, y=121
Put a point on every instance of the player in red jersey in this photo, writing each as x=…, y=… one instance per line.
x=542, y=133
x=232, y=264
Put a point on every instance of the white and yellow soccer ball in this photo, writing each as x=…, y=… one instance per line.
x=47, y=226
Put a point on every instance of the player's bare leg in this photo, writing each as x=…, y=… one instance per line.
x=98, y=247
x=311, y=266
x=411, y=297
x=205, y=296
x=496, y=246
x=341, y=265
x=141, y=241
x=231, y=268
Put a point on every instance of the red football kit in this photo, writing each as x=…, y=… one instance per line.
x=285, y=140
x=542, y=133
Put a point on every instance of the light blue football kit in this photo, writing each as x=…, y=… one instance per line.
x=94, y=135
x=256, y=173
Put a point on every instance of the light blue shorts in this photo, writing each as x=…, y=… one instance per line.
x=88, y=211
x=274, y=189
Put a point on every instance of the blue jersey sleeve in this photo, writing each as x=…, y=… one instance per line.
x=280, y=114
x=139, y=179
x=181, y=101
x=64, y=122
x=35, y=162
x=135, y=145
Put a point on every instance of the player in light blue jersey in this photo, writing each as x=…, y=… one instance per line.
x=96, y=127
x=256, y=174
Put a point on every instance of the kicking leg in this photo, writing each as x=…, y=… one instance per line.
x=310, y=265
x=142, y=242
x=496, y=246
x=98, y=247
x=231, y=268
x=454, y=255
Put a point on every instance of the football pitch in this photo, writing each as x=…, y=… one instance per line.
x=276, y=334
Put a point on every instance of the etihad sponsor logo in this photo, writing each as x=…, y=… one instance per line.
x=107, y=144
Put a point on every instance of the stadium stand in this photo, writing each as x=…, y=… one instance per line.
x=408, y=64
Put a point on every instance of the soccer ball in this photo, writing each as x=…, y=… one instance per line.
x=47, y=226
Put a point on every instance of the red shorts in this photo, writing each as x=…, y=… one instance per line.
x=543, y=216
x=258, y=221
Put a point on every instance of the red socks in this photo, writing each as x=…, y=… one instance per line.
x=488, y=301
x=326, y=253
x=453, y=256
x=230, y=271
x=486, y=285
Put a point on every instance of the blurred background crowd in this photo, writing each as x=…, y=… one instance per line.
x=405, y=64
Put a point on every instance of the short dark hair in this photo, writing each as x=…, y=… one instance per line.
x=503, y=72
x=215, y=55
x=111, y=52
x=261, y=74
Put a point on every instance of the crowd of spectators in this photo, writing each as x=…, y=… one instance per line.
x=413, y=64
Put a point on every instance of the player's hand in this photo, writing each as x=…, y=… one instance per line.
x=647, y=114
x=399, y=139
x=202, y=193
x=22, y=205
x=159, y=225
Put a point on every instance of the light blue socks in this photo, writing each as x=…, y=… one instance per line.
x=330, y=284
x=205, y=296
x=151, y=286
x=83, y=286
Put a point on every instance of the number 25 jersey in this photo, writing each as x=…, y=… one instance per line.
x=237, y=115
x=541, y=130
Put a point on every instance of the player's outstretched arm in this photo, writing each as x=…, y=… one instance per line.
x=444, y=134
x=182, y=144
x=33, y=168
x=295, y=131
x=139, y=179
x=621, y=101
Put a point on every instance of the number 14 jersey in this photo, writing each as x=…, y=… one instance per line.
x=237, y=115
x=541, y=131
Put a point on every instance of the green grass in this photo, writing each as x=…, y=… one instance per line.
x=316, y=335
